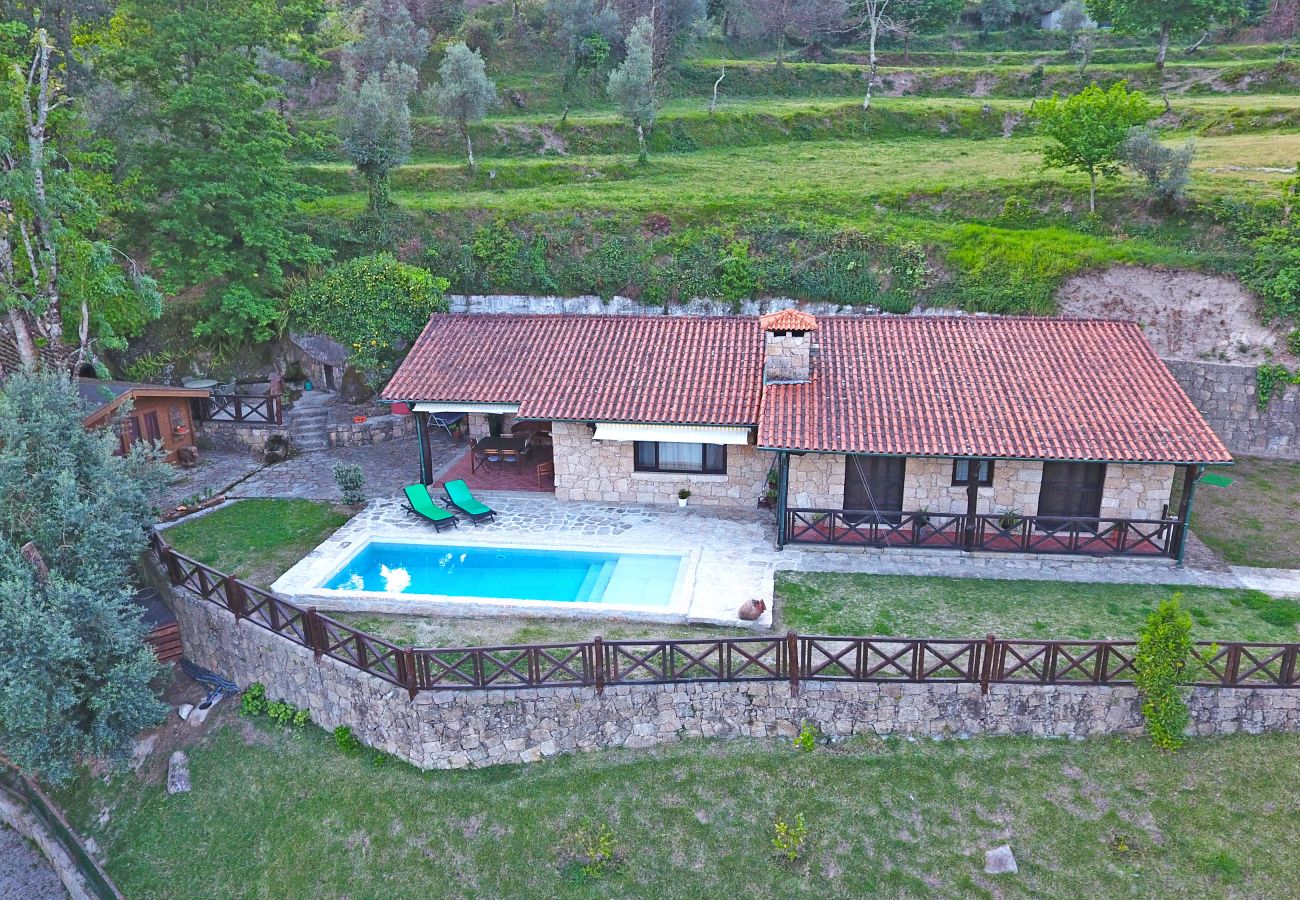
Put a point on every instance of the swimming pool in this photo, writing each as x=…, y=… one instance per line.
x=645, y=581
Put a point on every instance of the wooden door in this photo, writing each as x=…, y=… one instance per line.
x=874, y=484
x=1070, y=490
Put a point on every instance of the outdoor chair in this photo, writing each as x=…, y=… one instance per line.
x=459, y=496
x=421, y=504
x=545, y=470
x=511, y=458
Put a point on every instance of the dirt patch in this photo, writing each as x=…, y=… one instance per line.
x=552, y=142
x=1186, y=315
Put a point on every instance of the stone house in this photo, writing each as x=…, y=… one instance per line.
x=939, y=432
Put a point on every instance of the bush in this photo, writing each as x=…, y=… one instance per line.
x=737, y=281
x=789, y=837
x=1164, y=654
x=253, y=700
x=346, y=741
x=591, y=851
x=806, y=740
x=351, y=479
x=1167, y=171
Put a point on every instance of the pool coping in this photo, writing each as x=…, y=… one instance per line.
x=333, y=599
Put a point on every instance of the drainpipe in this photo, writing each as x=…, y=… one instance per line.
x=782, y=501
x=1189, y=497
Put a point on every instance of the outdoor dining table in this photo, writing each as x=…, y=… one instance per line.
x=495, y=445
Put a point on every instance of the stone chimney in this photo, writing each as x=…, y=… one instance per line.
x=788, y=346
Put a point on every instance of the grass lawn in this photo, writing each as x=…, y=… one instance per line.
x=257, y=540
x=1256, y=520
x=286, y=814
x=818, y=603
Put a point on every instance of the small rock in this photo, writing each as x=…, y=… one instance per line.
x=1000, y=861
x=199, y=714
x=140, y=752
x=184, y=710
x=178, y=773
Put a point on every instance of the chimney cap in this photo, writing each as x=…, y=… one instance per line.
x=787, y=320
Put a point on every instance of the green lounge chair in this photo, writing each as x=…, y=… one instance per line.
x=421, y=504
x=458, y=494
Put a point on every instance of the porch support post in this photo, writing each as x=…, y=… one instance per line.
x=972, y=502
x=426, y=450
x=1190, y=476
x=782, y=500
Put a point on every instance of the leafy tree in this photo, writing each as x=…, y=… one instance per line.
x=74, y=670
x=673, y=25
x=1087, y=129
x=1166, y=17
x=463, y=93
x=632, y=84
x=209, y=145
x=996, y=14
x=1162, y=663
x=388, y=35
x=1167, y=170
x=373, y=305
x=584, y=32
x=377, y=128
x=911, y=18
x=52, y=227
x=803, y=20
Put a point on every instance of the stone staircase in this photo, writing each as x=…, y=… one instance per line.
x=308, y=421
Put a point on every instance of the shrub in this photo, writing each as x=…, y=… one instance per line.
x=346, y=741
x=592, y=850
x=789, y=837
x=806, y=739
x=1293, y=341
x=351, y=479
x=738, y=280
x=1167, y=170
x=1164, y=653
x=253, y=701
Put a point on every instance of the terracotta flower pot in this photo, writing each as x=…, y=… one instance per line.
x=357, y=420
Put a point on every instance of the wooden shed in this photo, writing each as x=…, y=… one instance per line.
x=158, y=412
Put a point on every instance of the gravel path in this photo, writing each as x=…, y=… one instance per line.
x=24, y=872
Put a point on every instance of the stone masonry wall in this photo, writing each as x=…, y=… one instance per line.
x=1134, y=491
x=374, y=430
x=236, y=435
x=603, y=472
x=455, y=729
x=816, y=481
x=927, y=484
x=1227, y=396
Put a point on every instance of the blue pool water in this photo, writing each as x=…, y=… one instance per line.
x=512, y=574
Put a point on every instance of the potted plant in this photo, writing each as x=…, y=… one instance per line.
x=922, y=517
x=768, y=500
x=1009, y=519
x=682, y=496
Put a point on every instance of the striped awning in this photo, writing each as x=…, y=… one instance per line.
x=679, y=434
x=489, y=408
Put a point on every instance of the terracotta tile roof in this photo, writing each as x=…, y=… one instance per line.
x=660, y=369
x=989, y=387
x=936, y=386
x=787, y=320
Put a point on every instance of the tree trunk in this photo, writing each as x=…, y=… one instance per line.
x=907, y=48
x=1092, y=192
x=640, y=139
x=377, y=192
x=780, y=49
x=469, y=146
x=871, y=68
x=713, y=104
x=27, y=353
x=1164, y=47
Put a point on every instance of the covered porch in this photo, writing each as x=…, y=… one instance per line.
x=502, y=453
x=985, y=505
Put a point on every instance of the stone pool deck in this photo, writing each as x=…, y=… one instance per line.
x=728, y=555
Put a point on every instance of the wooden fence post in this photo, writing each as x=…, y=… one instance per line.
x=792, y=654
x=986, y=669
x=234, y=597
x=314, y=638
x=409, y=677
x=598, y=662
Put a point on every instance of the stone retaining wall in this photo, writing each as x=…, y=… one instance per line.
x=454, y=729
x=374, y=430
x=1227, y=396
x=245, y=436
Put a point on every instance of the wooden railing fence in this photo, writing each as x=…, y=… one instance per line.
x=793, y=658
x=253, y=408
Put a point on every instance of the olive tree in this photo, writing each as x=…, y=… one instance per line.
x=632, y=84
x=463, y=93
x=1087, y=129
x=376, y=126
x=75, y=672
x=1165, y=17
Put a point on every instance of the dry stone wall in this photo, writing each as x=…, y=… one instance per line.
x=927, y=484
x=456, y=729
